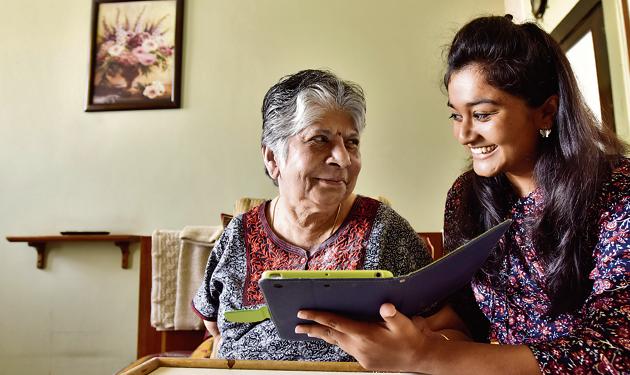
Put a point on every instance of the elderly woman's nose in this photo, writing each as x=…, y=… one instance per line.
x=340, y=154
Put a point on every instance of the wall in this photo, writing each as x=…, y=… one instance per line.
x=616, y=43
x=132, y=172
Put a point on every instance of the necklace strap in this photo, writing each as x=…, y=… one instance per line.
x=332, y=230
x=273, y=212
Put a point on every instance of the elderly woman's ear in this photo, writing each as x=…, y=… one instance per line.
x=270, y=162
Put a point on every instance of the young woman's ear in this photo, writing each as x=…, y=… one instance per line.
x=270, y=162
x=548, y=111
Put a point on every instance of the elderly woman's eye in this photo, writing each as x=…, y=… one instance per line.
x=319, y=139
x=352, y=143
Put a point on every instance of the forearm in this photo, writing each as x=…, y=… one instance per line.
x=462, y=357
x=446, y=321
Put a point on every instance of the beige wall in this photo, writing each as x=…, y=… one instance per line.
x=131, y=172
x=616, y=43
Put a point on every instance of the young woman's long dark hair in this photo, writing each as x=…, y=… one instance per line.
x=573, y=162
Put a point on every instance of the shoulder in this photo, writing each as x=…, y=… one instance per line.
x=620, y=176
x=383, y=214
x=233, y=233
x=612, y=260
x=616, y=191
x=235, y=224
x=614, y=216
x=365, y=207
x=458, y=195
x=460, y=185
x=377, y=217
x=254, y=213
x=393, y=243
x=391, y=227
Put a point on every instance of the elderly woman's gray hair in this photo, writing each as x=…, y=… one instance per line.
x=300, y=99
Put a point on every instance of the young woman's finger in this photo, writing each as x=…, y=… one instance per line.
x=330, y=320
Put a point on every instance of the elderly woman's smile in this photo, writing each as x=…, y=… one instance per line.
x=332, y=181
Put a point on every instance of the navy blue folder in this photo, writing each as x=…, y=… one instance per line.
x=361, y=299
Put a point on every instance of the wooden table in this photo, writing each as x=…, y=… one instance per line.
x=189, y=366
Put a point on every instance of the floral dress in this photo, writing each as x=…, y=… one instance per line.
x=373, y=236
x=593, y=339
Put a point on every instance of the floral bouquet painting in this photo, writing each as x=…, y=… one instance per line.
x=135, y=56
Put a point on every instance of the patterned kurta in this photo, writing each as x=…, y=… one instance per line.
x=372, y=236
x=593, y=339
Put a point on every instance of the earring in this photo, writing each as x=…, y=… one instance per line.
x=544, y=132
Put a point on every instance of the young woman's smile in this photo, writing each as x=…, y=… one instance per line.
x=479, y=152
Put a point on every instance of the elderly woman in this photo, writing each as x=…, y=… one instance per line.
x=312, y=124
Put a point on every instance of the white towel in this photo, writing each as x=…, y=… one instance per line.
x=200, y=233
x=196, y=244
x=164, y=260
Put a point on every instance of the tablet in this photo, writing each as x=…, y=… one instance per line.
x=326, y=274
x=262, y=313
x=360, y=297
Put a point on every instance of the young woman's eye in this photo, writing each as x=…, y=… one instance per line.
x=482, y=116
x=455, y=117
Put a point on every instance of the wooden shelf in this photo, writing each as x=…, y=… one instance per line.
x=39, y=243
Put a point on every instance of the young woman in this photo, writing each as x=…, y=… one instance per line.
x=555, y=293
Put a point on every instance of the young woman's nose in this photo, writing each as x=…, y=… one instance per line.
x=463, y=131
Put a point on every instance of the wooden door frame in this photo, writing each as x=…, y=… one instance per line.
x=588, y=15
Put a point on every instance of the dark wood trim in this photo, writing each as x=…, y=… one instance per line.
x=588, y=16
x=40, y=247
x=148, y=339
x=575, y=16
x=434, y=242
x=151, y=341
x=626, y=23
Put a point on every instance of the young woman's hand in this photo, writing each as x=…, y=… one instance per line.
x=397, y=344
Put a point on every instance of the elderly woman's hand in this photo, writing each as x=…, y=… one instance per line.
x=397, y=344
x=213, y=329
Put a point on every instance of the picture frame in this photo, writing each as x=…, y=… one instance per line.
x=135, y=55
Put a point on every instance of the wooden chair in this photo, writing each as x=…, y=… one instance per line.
x=434, y=243
x=150, y=340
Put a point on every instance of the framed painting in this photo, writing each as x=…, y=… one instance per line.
x=135, y=55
